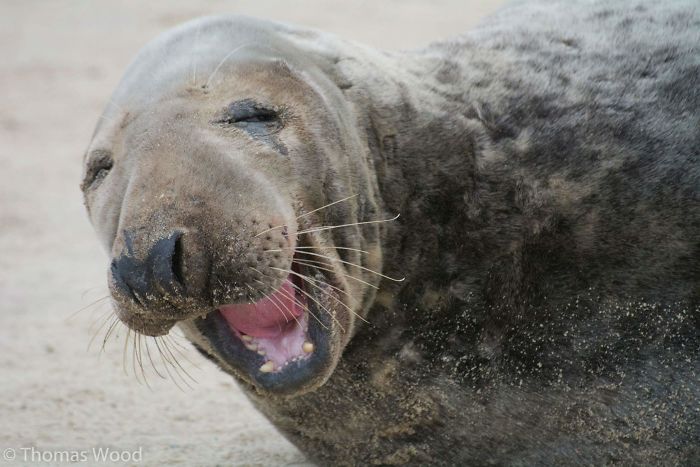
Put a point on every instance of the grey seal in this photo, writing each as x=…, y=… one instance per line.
x=536, y=300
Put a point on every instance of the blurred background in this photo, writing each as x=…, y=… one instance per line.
x=60, y=62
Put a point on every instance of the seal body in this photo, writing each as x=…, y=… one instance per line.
x=546, y=167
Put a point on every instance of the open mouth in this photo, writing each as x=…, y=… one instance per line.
x=275, y=327
x=282, y=341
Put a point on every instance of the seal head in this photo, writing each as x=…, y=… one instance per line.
x=236, y=203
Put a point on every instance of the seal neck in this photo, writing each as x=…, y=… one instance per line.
x=423, y=146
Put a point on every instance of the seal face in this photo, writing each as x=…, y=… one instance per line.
x=246, y=179
x=218, y=201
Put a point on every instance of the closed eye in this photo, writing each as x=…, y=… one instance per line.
x=259, y=121
x=247, y=111
x=99, y=164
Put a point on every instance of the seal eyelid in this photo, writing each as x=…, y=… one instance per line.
x=99, y=164
x=248, y=111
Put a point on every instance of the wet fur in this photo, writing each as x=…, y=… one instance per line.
x=545, y=166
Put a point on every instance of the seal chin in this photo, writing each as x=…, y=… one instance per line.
x=283, y=343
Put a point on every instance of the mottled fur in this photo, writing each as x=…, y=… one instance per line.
x=547, y=171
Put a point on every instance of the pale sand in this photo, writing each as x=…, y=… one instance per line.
x=60, y=62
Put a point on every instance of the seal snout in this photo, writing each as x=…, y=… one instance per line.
x=159, y=273
x=159, y=279
x=150, y=283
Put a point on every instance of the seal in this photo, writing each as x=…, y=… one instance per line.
x=486, y=251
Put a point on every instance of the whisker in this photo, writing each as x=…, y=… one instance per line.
x=337, y=289
x=316, y=248
x=352, y=264
x=194, y=57
x=169, y=360
x=174, y=339
x=97, y=322
x=165, y=364
x=274, y=303
x=223, y=60
x=277, y=300
x=307, y=213
x=174, y=362
x=139, y=354
x=126, y=342
x=286, y=307
x=284, y=315
x=153, y=365
x=72, y=315
x=327, y=205
x=85, y=292
x=307, y=307
x=133, y=357
x=256, y=291
x=316, y=264
x=104, y=313
x=307, y=279
x=105, y=318
x=271, y=295
x=311, y=297
x=110, y=330
x=311, y=281
x=181, y=352
x=295, y=299
x=330, y=227
x=167, y=348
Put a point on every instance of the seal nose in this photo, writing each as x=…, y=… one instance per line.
x=160, y=273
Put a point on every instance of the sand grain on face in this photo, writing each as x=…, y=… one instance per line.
x=62, y=59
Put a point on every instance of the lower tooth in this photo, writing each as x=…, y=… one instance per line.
x=267, y=367
x=308, y=347
x=261, y=352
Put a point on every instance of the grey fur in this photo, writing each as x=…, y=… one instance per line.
x=546, y=166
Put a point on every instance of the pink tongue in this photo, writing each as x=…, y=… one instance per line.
x=267, y=318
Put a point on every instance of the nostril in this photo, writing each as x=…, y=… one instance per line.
x=124, y=278
x=166, y=264
x=177, y=261
x=117, y=278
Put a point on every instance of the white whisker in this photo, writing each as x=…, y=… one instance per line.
x=311, y=297
x=317, y=266
x=295, y=299
x=330, y=227
x=223, y=60
x=311, y=281
x=307, y=213
x=317, y=248
x=352, y=264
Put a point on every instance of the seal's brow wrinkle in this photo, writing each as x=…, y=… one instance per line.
x=480, y=252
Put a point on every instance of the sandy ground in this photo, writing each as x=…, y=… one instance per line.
x=60, y=62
